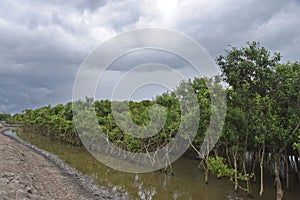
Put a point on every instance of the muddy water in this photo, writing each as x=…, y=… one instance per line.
x=187, y=183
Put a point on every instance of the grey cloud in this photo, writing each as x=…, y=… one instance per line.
x=273, y=23
x=42, y=43
x=139, y=57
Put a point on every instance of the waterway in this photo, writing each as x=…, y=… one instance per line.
x=186, y=183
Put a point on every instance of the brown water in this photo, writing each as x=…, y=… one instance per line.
x=187, y=183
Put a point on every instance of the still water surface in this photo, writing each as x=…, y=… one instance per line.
x=187, y=182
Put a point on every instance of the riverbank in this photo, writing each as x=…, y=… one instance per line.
x=27, y=172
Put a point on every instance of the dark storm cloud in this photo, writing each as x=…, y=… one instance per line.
x=220, y=23
x=135, y=58
x=42, y=43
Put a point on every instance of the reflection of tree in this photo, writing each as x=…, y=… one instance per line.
x=144, y=193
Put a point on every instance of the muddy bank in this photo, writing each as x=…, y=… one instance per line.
x=27, y=172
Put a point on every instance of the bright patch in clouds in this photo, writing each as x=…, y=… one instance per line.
x=167, y=9
x=167, y=6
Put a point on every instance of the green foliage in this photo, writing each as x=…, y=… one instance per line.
x=218, y=167
x=6, y=117
x=58, y=121
x=296, y=144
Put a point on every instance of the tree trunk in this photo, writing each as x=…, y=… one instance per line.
x=297, y=167
x=227, y=153
x=254, y=165
x=206, y=169
x=279, y=195
x=235, y=172
x=248, y=185
x=287, y=171
x=206, y=176
x=262, y=170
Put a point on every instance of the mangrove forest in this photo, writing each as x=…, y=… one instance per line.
x=260, y=134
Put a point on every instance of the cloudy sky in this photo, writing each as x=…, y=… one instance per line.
x=43, y=43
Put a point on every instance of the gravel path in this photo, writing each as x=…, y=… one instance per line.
x=27, y=172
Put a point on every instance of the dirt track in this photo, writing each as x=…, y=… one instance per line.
x=28, y=174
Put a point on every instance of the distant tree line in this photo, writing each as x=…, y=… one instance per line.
x=6, y=117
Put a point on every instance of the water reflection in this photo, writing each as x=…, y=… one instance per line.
x=143, y=193
x=187, y=183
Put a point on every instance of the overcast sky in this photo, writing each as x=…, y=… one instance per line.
x=43, y=43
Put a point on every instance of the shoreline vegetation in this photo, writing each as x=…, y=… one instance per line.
x=50, y=179
x=260, y=133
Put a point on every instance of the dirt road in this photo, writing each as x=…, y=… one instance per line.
x=28, y=174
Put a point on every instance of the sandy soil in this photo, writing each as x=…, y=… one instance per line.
x=29, y=173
